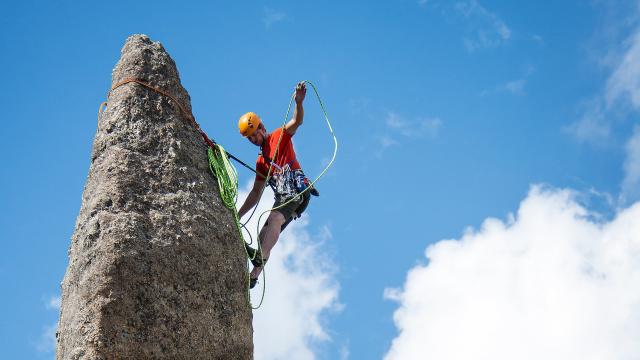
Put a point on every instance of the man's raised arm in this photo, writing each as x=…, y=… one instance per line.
x=298, y=113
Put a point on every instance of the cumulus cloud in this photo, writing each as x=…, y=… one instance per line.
x=549, y=283
x=301, y=290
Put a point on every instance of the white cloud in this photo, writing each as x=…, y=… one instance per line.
x=413, y=128
x=593, y=126
x=272, y=16
x=488, y=30
x=394, y=121
x=301, y=290
x=516, y=86
x=620, y=99
x=624, y=85
x=360, y=106
x=538, y=39
x=551, y=283
x=482, y=28
x=398, y=126
x=624, y=82
x=631, y=181
x=386, y=141
x=429, y=126
x=53, y=303
x=47, y=341
x=344, y=352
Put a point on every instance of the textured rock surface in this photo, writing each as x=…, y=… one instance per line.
x=156, y=267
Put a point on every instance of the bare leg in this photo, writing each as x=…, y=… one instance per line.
x=268, y=237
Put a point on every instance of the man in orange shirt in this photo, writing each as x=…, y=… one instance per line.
x=286, y=179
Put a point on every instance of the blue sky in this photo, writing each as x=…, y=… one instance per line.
x=446, y=114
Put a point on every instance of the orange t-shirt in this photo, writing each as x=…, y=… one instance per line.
x=286, y=155
x=284, y=165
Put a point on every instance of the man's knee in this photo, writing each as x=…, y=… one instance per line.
x=275, y=219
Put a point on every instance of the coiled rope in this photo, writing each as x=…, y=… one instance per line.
x=227, y=177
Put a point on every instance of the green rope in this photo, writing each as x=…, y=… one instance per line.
x=227, y=177
x=226, y=174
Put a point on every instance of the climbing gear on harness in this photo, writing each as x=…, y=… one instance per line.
x=248, y=123
x=298, y=178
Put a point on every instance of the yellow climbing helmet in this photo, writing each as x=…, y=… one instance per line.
x=248, y=123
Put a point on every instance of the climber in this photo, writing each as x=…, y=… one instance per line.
x=287, y=178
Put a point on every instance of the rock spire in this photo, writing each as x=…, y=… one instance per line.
x=156, y=266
